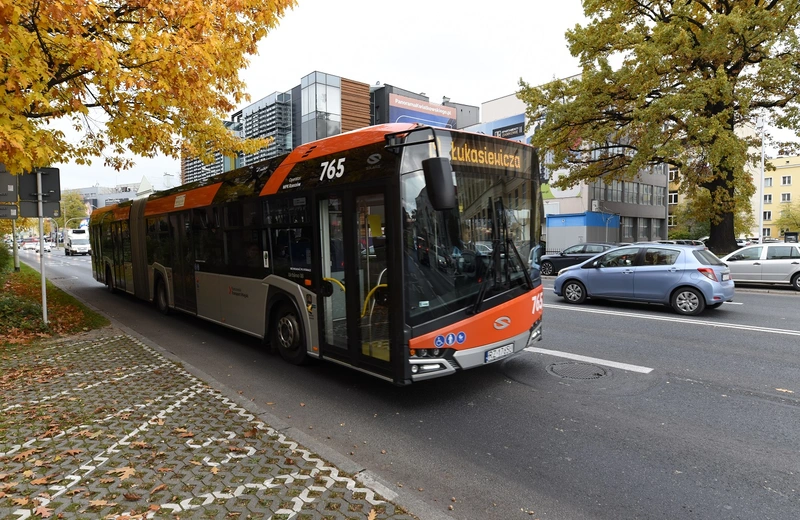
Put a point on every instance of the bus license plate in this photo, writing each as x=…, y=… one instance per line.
x=498, y=353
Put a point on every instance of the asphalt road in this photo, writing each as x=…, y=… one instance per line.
x=680, y=417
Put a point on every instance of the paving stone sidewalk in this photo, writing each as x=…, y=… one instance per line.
x=104, y=426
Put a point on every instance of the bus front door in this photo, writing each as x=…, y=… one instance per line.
x=355, y=315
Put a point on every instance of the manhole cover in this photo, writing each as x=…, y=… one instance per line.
x=576, y=370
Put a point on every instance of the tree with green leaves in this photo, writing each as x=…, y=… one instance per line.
x=789, y=219
x=72, y=210
x=679, y=83
x=692, y=221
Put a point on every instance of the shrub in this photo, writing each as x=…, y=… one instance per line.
x=6, y=260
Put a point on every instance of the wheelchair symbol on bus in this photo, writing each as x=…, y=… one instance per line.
x=439, y=341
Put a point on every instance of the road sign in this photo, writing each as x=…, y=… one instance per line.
x=51, y=186
x=30, y=209
x=8, y=211
x=8, y=187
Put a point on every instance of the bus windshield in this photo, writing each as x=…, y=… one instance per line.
x=456, y=257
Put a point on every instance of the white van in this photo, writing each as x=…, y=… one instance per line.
x=77, y=242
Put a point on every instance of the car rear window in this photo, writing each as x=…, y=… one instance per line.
x=707, y=257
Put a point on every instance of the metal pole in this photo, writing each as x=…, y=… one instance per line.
x=16, y=248
x=41, y=245
x=761, y=192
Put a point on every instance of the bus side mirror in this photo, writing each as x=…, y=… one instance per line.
x=439, y=182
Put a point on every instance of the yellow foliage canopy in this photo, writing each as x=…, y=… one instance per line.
x=149, y=76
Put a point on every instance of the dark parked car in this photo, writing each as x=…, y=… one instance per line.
x=551, y=264
x=686, y=278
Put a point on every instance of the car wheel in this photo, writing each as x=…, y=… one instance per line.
x=547, y=268
x=796, y=281
x=688, y=301
x=161, y=300
x=574, y=292
x=287, y=335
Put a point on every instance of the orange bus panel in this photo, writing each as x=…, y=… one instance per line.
x=329, y=145
x=490, y=326
x=195, y=198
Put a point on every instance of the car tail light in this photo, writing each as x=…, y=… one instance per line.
x=708, y=273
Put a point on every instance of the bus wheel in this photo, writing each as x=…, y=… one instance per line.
x=287, y=335
x=162, y=303
x=109, y=281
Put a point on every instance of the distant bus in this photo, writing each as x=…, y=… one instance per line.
x=398, y=250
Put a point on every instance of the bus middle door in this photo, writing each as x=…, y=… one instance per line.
x=183, y=261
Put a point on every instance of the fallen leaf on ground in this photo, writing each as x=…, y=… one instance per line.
x=43, y=511
x=101, y=503
x=123, y=472
x=24, y=455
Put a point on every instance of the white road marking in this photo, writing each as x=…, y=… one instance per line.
x=675, y=319
x=597, y=361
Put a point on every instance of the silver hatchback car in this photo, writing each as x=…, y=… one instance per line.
x=766, y=263
x=686, y=278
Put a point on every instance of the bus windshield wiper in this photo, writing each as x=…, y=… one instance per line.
x=482, y=291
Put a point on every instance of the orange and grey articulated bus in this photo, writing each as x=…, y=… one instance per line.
x=398, y=250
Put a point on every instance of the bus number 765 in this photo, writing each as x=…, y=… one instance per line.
x=332, y=169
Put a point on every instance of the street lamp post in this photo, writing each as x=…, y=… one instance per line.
x=761, y=188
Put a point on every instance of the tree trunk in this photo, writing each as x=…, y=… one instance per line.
x=721, y=237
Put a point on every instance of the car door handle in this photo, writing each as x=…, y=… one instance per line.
x=627, y=271
x=757, y=263
x=795, y=263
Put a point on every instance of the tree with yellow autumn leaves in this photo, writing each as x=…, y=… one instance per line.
x=146, y=76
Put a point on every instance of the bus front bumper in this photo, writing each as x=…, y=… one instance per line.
x=431, y=367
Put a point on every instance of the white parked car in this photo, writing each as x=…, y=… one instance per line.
x=774, y=263
x=46, y=247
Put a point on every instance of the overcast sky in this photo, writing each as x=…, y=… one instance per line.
x=467, y=50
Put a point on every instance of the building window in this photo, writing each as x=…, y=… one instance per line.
x=657, y=229
x=631, y=192
x=671, y=221
x=627, y=228
x=673, y=197
x=768, y=182
x=615, y=191
x=644, y=228
x=766, y=232
x=673, y=174
x=768, y=199
x=646, y=194
x=767, y=215
x=659, y=195
x=786, y=197
x=786, y=180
